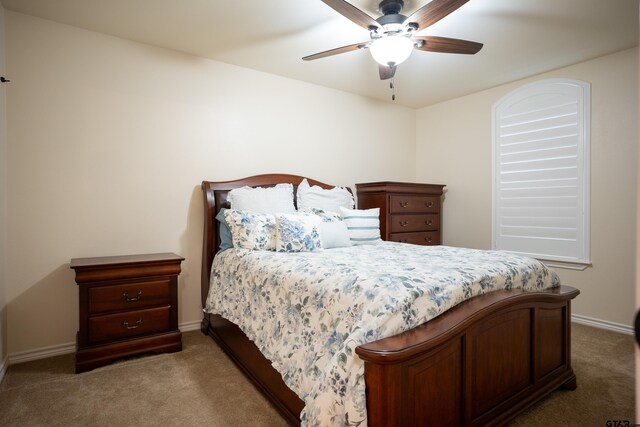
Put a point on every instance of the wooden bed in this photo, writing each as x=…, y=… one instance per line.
x=480, y=363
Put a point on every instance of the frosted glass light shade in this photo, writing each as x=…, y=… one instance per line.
x=391, y=50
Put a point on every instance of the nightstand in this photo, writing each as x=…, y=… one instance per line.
x=409, y=212
x=128, y=305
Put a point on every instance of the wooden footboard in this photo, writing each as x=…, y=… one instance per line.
x=481, y=363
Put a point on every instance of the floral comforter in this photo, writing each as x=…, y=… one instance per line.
x=308, y=311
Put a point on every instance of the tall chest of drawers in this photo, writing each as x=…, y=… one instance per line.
x=409, y=212
x=128, y=305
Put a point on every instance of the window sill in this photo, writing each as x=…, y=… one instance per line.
x=567, y=265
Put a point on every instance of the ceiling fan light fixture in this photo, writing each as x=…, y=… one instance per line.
x=391, y=50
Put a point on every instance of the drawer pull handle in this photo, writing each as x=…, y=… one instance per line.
x=429, y=222
x=428, y=204
x=404, y=204
x=404, y=223
x=125, y=296
x=428, y=239
x=126, y=324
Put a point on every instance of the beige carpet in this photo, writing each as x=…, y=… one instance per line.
x=200, y=386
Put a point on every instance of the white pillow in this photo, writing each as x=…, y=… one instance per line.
x=251, y=230
x=334, y=235
x=271, y=200
x=333, y=230
x=328, y=200
x=363, y=225
x=298, y=233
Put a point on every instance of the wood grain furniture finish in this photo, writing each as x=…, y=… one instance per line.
x=480, y=363
x=409, y=212
x=128, y=305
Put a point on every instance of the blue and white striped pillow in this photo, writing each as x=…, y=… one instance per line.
x=363, y=225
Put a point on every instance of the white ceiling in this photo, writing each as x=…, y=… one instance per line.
x=521, y=38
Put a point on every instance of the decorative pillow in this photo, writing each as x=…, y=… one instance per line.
x=363, y=225
x=224, y=232
x=333, y=230
x=328, y=200
x=269, y=200
x=334, y=235
x=297, y=233
x=251, y=230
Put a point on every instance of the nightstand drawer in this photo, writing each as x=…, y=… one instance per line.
x=129, y=324
x=413, y=204
x=425, y=238
x=130, y=296
x=406, y=223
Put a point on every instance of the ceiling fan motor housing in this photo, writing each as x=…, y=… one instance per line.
x=391, y=19
x=391, y=15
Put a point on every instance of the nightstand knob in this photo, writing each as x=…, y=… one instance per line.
x=429, y=222
x=404, y=223
x=126, y=324
x=125, y=296
x=404, y=204
x=428, y=239
x=428, y=204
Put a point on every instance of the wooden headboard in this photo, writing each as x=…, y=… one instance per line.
x=215, y=198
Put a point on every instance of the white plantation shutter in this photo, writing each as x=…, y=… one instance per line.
x=541, y=171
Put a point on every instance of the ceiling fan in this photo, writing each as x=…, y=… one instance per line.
x=393, y=35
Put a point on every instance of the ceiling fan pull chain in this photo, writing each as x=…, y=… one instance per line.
x=393, y=89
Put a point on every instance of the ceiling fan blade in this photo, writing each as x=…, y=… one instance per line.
x=386, y=72
x=432, y=12
x=336, y=51
x=448, y=45
x=352, y=13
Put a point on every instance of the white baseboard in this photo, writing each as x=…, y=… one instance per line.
x=602, y=324
x=57, y=350
x=41, y=353
x=190, y=326
x=3, y=367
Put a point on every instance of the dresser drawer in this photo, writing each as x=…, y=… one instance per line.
x=424, y=238
x=406, y=223
x=130, y=296
x=413, y=204
x=129, y=324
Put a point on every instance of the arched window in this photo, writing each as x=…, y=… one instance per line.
x=541, y=171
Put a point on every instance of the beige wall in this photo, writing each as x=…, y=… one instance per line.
x=109, y=140
x=3, y=192
x=454, y=148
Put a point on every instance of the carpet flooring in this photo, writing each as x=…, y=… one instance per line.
x=201, y=386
